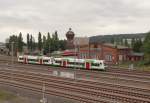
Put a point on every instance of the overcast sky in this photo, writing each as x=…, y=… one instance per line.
x=85, y=17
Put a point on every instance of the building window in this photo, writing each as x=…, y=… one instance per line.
x=120, y=57
x=95, y=45
x=108, y=57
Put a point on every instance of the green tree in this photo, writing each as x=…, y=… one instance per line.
x=31, y=43
x=28, y=41
x=146, y=47
x=13, y=39
x=34, y=44
x=62, y=44
x=132, y=42
x=44, y=44
x=48, y=43
x=126, y=42
x=112, y=40
x=56, y=41
x=48, y=36
x=40, y=41
x=20, y=43
x=121, y=41
x=137, y=45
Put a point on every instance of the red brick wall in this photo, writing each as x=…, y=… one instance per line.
x=113, y=52
x=103, y=52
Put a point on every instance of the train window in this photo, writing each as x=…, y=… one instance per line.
x=57, y=61
x=95, y=64
x=75, y=63
x=80, y=63
x=45, y=60
x=34, y=60
x=20, y=58
x=72, y=63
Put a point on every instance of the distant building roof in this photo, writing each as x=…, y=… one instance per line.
x=108, y=38
x=2, y=45
x=69, y=53
x=136, y=54
x=81, y=41
x=116, y=46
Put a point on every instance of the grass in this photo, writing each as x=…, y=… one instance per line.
x=4, y=95
x=140, y=65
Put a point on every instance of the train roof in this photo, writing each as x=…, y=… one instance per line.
x=64, y=58
x=95, y=60
x=44, y=57
x=58, y=58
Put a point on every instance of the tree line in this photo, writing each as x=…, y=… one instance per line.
x=140, y=45
x=16, y=41
x=146, y=48
x=49, y=43
x=45, y=44
x=134, y=43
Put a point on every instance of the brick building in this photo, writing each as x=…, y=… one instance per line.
x=109, y=52
x=135, y=56
x=83, y=47
x=112, y=54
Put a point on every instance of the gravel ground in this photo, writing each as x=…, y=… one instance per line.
x=26, y=96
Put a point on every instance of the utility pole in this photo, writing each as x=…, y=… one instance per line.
x=12, y=59
x=75, y=43
x=12, y=50
x=49, y=49
x=44, y=99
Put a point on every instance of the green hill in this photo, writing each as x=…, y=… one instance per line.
x=115, y=37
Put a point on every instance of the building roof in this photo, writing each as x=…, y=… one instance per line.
x=136, y=54
x=81, y=41
x=69, y=53
x=116, y=46
x=2, y=45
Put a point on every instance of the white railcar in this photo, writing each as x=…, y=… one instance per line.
x=64, y=62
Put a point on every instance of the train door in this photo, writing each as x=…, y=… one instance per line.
x=40, y=61
x=25, y=60
x=87, y=65
x=64, y=63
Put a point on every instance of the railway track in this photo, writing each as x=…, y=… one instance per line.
x=36, y=88
x=70, y=93
x=121, y=97
x=70, y=80
x=128, y=71
x=44, y=67
x=115, y=77
x=108, y=91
